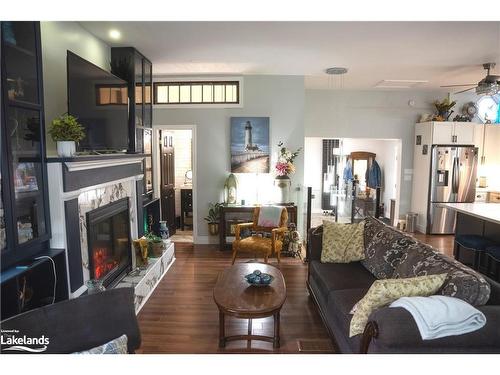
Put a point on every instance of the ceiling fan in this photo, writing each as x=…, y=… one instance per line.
x=489, y=85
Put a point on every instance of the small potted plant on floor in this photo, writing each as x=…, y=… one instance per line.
x=155, y=245
x=213, y=218
x=66, y=131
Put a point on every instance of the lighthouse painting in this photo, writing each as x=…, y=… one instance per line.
x=250, y=144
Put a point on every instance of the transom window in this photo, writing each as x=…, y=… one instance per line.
x=197, y=92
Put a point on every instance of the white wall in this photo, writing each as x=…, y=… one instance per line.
x=57, y=38
x=370, y=114
x=279, y=97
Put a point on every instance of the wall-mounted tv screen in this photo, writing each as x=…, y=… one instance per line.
x=100, y=101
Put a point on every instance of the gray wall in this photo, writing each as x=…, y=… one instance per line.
x=369, y=114
x=279, y=97
x=57, y=39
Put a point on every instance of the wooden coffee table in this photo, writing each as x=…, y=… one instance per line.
x=235, y=297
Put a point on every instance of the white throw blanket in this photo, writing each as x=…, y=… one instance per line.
x=441, y=316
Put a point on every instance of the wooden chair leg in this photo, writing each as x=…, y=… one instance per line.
x=278, y=256
x=235, y=251
x=265, y=257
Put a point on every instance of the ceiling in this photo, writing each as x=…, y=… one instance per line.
x=438, y=52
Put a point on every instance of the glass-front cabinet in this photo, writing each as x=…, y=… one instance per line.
x=24, y=217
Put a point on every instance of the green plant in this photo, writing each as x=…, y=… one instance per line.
x=151, y=237
x=444, y=106
x=213, y=212
x=66, y=128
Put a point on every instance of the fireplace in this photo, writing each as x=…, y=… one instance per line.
x=109, y=245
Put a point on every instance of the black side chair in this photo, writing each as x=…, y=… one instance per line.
x=82, y=323
x=493, y=268
x=474, y=243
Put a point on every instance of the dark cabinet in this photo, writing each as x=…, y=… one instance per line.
x=130, y=65
x=186, y=207
x=24, y=211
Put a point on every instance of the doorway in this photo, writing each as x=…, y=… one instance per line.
x=176, y=187
x=338, y=172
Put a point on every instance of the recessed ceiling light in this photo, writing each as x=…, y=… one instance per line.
x=114, y=34
x=337, y=70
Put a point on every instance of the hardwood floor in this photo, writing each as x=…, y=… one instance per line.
x=442, y=242
x=181, y=316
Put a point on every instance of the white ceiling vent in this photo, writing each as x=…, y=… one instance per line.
x=399, y=83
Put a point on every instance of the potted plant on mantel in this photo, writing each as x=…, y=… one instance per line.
x=213, y=218
x=283, y=168
x=155, y=245
x=66, y=131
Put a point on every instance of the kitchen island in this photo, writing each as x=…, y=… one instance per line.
x=483, y=211
x=482, y=219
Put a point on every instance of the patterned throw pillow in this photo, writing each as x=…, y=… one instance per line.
x=385, y=250
x=342, y=243
x=384, y=292
x=115, y=346
x=462, y=282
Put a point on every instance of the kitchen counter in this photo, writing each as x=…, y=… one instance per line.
x=484, y=211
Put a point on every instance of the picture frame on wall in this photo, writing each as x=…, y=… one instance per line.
x=250, y=150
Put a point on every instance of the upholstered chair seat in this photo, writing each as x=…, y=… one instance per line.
x=265, y=240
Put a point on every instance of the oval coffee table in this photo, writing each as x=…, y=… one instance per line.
x=235, y=297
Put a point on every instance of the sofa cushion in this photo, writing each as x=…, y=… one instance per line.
x=383, y=292
x=462, y=282
x=385, y=250
x=339, y=318
x=342, y=243
x=337, y=276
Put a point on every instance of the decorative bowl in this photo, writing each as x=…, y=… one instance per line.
x=257, y=278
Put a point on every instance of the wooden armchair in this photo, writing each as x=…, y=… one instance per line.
x=258, y=241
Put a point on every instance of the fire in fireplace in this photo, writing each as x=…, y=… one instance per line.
x=109, y=245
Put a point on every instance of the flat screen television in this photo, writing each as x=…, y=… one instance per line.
x=100, y=102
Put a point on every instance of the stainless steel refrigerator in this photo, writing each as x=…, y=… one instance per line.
x=453, y=179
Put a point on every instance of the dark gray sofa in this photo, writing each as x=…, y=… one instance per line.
x=337, y=287
x=82, y=323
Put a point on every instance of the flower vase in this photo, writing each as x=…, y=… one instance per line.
x=164, y=232
x=282, y=185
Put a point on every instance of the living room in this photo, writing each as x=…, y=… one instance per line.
x=202, y=185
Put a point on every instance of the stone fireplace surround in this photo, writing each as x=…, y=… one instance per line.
x=80, y=185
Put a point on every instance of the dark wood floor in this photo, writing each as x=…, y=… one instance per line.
x=443, y=243
x=181, y=316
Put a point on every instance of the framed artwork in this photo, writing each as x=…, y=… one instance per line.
x=250, y=145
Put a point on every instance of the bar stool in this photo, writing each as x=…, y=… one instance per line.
x=493, y=253
x=472, y=242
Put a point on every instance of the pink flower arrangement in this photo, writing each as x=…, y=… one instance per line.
x=285, y=166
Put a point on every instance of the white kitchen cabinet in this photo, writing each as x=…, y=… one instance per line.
x=464, y=132
x=450, y=133
x=442, y=133
x=492, y=145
